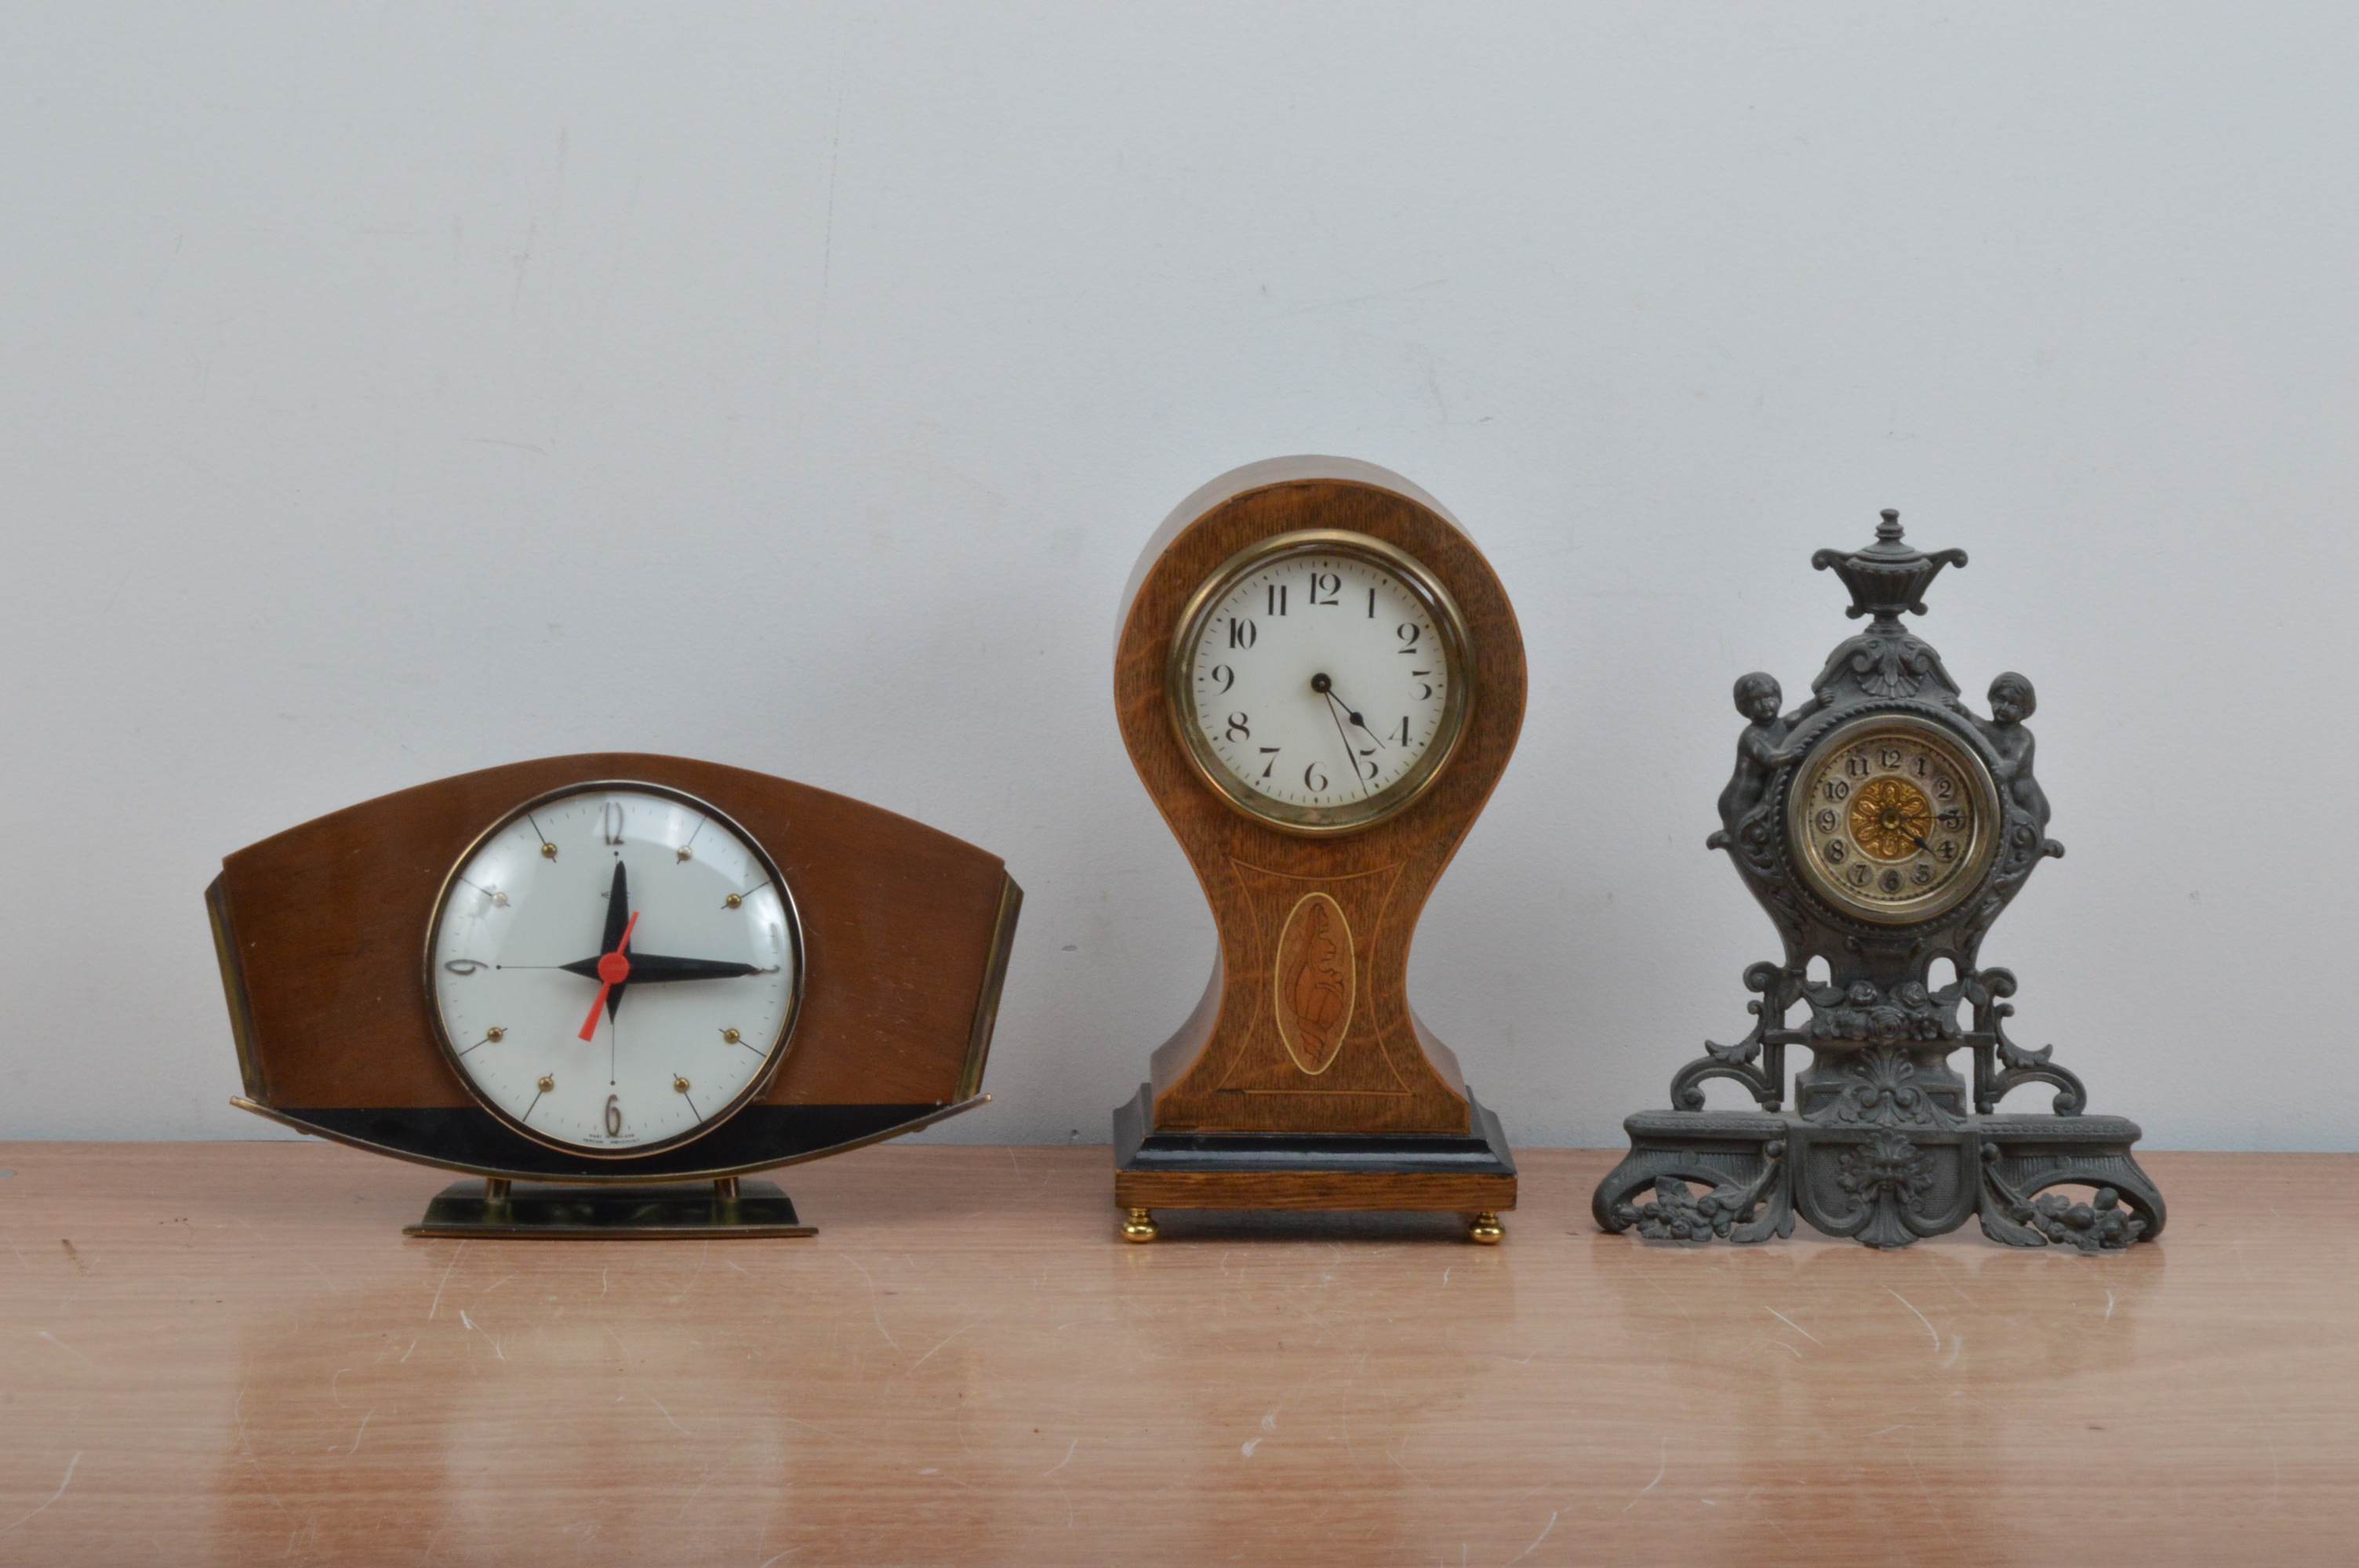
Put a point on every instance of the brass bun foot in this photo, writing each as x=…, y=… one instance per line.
x=1137, y=1225
x=1486, y=1230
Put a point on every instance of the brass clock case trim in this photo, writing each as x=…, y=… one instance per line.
x=1458, y=702
x=778, y=1048
x=1982, y=848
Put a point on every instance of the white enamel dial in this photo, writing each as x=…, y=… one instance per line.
x=1317, y=680
x=615, y=968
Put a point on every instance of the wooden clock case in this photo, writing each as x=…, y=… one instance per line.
x=320, y=931
x=1238, y=1113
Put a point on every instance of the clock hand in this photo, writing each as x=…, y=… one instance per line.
x=1325, y=687
x=613, y=969
x=1353, y=714
x=648, y=969
x=619, y=909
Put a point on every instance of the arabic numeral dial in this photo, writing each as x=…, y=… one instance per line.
x=1891, y=820
x=1316, y=681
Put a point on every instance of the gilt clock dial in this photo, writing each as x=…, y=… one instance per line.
x=1891, y=819
x=1319, y=680
x=614, y=968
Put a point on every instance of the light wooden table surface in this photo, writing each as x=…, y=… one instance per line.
x=228, y=1352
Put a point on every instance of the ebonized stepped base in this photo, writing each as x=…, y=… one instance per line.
x=1744, y=1175
x=1472, y=1174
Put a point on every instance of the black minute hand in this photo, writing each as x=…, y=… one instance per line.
x=652, y=968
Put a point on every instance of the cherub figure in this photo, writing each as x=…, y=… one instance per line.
x=1759, y=753
x=2012, y=701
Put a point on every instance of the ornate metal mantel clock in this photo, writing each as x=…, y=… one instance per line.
x=1883, y=825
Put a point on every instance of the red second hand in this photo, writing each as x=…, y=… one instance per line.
x=613, y=969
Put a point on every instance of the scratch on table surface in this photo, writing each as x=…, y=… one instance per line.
x=12, y=1246
x=1931, y=1505
x=53, y=1496
x=873, y=1309
x=1783, y=1345
x=1067, y=1459
x=2109, y=1306
x=67, y=1348
x=1664, y=1470
x=1957, y=1345
x=357, y=1435
x=667, y=1415
x=1797, y=1327
x=445, y=1279
x=1543, y=1535
x=954, y=1334
x=246, y=1441
x=1927, y=1322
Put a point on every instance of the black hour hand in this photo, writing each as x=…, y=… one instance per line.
x=652, y=968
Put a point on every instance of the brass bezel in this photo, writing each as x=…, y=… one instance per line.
x=1981, y=849
x=754, y=1086
x=1458, y=702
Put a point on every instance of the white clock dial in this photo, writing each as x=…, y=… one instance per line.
x=615, y=968
x=1319, y=680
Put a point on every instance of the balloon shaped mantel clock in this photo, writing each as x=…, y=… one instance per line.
x=1884, y=826
x=1319, y=680
x=644, y=974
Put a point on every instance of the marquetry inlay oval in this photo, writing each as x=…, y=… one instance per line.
x=1315, y=986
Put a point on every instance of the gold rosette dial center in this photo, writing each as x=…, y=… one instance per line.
x=1889, y=818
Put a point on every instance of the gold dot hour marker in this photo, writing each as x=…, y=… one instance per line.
x=546, y=1084
x=496, y=1035
x=731, y=1036
x=734, y=900
x=680, y=1084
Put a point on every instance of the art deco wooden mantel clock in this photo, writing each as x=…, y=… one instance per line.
x=641, y=976
x=1882, y=825
x=1319, y=680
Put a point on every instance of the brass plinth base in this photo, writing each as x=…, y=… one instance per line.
x=702, y=1210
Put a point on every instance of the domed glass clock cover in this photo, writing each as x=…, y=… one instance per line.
x=614, y=968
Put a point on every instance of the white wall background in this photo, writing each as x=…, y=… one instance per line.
x=396, y=389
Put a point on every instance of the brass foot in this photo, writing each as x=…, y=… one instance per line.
x=495, y=1189
x=1486, y=1230
x=1137, y=1225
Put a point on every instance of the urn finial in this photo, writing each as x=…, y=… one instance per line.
x=1889, y=575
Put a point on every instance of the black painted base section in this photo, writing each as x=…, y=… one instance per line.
x=610, y=1213
x=469, y=1138
x=1482, y=1153
x=1884, y=1184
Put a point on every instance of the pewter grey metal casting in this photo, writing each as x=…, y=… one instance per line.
x=1882, y=1142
